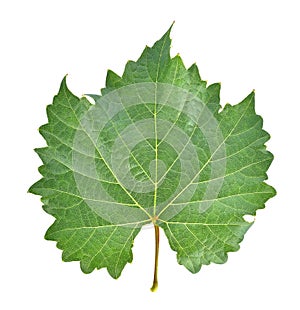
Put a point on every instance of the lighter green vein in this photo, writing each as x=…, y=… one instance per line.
x=145, y=105
x=104, y=244
x=102, y=226
x=223, y=142
x=84, y=175
x=138, y=163
x=209, y=249
x=178, y=156
x=133, y=123
x=204, y=224
x=90, y=199
x=83, y=245
x=125, y=190
x=155, y=128
x=175, y=239
x=240, y=150
x=156, y=153
x=233, y=172
x=219, y=198
x=178, y=115
x=124, y=246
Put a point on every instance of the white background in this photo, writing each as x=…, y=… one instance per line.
x=243, y=44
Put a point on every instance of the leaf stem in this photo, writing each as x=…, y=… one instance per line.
x=155, y=282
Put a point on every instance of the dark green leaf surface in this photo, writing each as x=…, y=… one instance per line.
x=195, y=171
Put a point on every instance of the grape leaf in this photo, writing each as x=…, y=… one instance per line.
x=154, y=148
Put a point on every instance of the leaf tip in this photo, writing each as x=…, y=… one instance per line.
x=273, y=191
x=170, y=28
x=63, y=84
x=167, y=34
x=64, y=80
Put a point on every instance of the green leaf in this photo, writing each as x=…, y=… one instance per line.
x=154, y=148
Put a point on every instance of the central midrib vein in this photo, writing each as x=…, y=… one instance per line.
x=156, y=152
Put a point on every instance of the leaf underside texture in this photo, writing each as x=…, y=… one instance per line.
x=202, y=228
